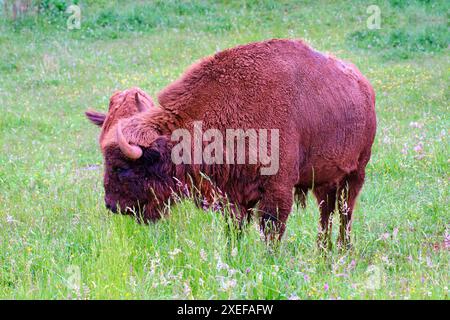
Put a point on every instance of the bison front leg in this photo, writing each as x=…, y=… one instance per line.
x=237, y=218
x=274, y=209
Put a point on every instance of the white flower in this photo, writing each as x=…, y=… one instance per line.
x=190, y=243
x=174, y=253
x=221, y=265
x=234, y=252
x=416, y=125
x=216, y=255
x=164, y=281
x=187, y=289
x=203, y=255
x=260, y=277
x=228, y=284
x=293, y=297
x=232, y=272
x=10, y=219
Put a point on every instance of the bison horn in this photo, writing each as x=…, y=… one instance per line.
x=132, y=152
x=140, y=104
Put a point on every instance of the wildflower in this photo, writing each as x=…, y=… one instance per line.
x=447, y=240
x=202, y=255
x=417, y=125
x=234, y=252
x=174, y=253
x=441, y=135
x=216, y=255
x=217, y=207
x=190, y=243
x=187, y=289
x=405, y=149
x=352, y=265
x=205, y=204
x=260, y=277
x=186, y=191
x=247, y=271
x=385, y=236
x=429, y=262
x=164, y=281
x=326, y=287
x=306, y=277
x=342, y=275
x=293, y=297
x=228, y=284
x=221, y=265
x=394, y=233
x=10, y=219
x=418, y=148
x=183, y=188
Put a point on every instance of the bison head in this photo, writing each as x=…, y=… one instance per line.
x=138, y=169
x=138, y=176
x=122, y=104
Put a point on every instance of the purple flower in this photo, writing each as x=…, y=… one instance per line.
x=419, y=148
x=326, y=287
x=352, y=264
x=217, y=207
x=205, y=204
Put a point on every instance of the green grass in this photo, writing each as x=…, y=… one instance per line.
x=52, y=218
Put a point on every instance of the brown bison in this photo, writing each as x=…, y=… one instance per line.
x=323, y=109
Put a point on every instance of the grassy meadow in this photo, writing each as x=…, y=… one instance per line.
x=57, y=240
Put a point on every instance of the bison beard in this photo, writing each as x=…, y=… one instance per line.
x=323, y=108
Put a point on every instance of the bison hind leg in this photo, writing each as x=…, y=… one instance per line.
x=326, y=199
x=348, y=194
x=301, y=193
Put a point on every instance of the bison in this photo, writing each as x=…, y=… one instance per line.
x=322, y=107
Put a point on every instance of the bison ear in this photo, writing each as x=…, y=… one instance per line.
x=95, y=117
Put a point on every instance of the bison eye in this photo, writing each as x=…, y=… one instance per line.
x=119, y=170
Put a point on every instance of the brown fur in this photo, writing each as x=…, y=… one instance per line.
x=323, y=107
x=122, y=104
